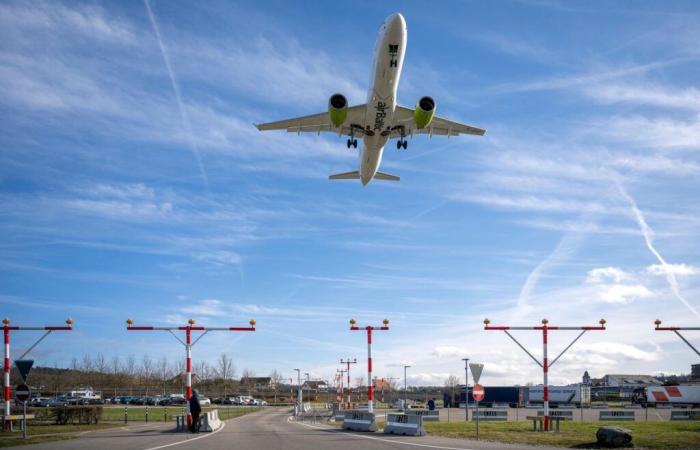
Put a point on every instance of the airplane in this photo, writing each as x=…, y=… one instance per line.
x=381, y=118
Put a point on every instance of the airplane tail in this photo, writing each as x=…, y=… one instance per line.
x=354, y=175
x=386, y=177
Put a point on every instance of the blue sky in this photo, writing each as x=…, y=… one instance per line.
x=130, y=193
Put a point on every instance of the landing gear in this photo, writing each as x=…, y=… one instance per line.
x=352, y=142
x=401, y=143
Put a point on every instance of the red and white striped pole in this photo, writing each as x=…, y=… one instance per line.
x=347, y=363
x=677, y=330
x=188, y=345
x=6, y=366
x=545, y=364
x=369, y=329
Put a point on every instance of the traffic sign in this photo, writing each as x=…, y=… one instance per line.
x=478, y=392
x=24, y=366
x=476, y=371
x=22, y=392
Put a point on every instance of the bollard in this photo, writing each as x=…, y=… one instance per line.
x=146, y=414
x=126, y=415
x=165, y=413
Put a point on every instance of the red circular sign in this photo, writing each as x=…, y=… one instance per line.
x=22, y=392
x=478, y=392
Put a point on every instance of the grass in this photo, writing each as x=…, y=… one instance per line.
x=47, y=433
x=163, y=414
x=652, y=435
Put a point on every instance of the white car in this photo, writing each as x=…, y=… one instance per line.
x=204, y=401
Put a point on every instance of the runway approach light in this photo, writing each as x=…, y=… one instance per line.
x=191, y=322
x=487, y=322
x=545, y=321
x=129, y=322
x=657, y=322
x=6, y=321
x=252, y=322
x=352, y=322
x=602, y=322
x=385, y=322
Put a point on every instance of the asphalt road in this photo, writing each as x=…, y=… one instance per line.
x=266, y=430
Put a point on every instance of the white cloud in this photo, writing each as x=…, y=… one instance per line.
x=603, y=274
x=448, y=351
x=676, y=269
x=623, y=293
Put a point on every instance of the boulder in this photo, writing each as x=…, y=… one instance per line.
x=614, y=436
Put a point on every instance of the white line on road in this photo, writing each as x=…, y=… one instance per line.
x=391, y=441
x=188, y=440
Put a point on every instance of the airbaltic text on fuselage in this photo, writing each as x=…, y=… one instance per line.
x=380, y=116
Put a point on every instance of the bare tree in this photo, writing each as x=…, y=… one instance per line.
x=100, y=363
x=163, y=372
x=226, y=369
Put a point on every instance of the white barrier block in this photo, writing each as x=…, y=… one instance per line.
x=210, y=421
x=404, y=424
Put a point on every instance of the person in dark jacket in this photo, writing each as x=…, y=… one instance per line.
x=431, y=404
x=195, y=410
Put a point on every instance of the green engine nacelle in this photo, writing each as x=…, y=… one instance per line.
x=424, y=112
x=338, y=109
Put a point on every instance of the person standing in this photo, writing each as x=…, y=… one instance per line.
x=431, y=404
x=195, y=410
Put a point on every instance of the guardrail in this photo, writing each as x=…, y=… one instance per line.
x=491, y=415
x=616, y=415
x=688, y=414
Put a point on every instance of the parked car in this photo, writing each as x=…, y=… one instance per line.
x=153, y=401
x=58, y=402
x=39, y=401
x=90, y=401
x=204, y=401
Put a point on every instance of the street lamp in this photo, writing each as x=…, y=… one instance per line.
x=299, y=399
x=307, y=387
x=466, y=389
x=405, y=389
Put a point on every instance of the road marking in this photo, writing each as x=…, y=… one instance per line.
x=223, y=425
x=391, y=441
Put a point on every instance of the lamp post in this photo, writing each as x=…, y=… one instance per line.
x=405, y=388
x=188, y=344
x=466, y=388
x=545, y=364
x=6, y=367
x=308, y=388
x=369, y=329
x=299, y=399
x=347, y=362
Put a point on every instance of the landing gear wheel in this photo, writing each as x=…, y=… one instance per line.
x=405, y=144
x=398, y=145
x=354, y=143
x=349, y=143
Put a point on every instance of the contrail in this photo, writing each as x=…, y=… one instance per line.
x=178, y=97
x=648, y=234
x=566, y=245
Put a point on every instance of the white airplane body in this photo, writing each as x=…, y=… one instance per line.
x=381, y=118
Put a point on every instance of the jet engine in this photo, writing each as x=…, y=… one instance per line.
x=424, y=112
x=338, y=109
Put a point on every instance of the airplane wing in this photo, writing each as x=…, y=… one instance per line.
x=316, y=123
x=438, y=126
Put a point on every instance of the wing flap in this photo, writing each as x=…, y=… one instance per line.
x=317, y=123
x=438, y=126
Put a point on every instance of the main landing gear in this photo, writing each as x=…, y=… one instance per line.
x=352, y=142
x=401, y=143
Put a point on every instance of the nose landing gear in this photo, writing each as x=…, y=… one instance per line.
x=352, y=142
x=401, y=143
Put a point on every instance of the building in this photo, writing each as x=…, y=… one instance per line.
x=257, y=382
x=586, y=381
x=630, y=381
x=315, y=386
x=695, y=372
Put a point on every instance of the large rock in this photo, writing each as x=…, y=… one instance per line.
x=614, y=436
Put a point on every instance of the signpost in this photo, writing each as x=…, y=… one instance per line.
x=24, y=366
x=22, y=394
x=478, y=394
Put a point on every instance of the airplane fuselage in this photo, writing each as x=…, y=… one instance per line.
x=389, y=52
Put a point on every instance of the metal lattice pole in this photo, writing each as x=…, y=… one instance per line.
x=369, y=329
x=188, y=344
x=347, y=362
x=6, y=366
x=545, y=364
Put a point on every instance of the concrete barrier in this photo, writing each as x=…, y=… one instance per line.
x=633, y=406
x=500, y=406
x=359, y=421
x=210, y=421
x=599, y=406
x=664, y=406
x=405, y=424
x=491, y=415
x=180, y=423
x=566, y=406
x=688, y=414
x=339, y=416
x=428, y=416
x=568, y=415
x=616, y=415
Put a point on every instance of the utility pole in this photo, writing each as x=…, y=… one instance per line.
x=188, y=344
x=347, y=362
x=545, y=364
x=405, y=388
x=339, y=388
x=7, y=425
x=466, y=389
x=369, y=329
